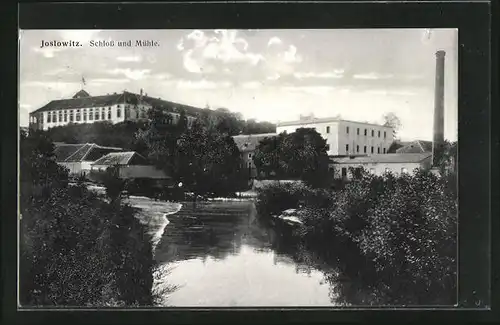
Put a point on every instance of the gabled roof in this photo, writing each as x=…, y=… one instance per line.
x=417, y=146
x=79, y=100
x=120, y=158
x=249, y=142
x=384, y=158
x=81, y=93
x=80, y=152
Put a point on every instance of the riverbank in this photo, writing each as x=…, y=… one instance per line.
x=396, y=249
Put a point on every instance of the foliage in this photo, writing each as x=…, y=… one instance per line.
x=103, y=133
x=299, y=155
x=392, y=120
x=394, y=238
x=76, y=249
x=208, y=161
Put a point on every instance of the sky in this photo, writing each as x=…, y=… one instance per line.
x=268, y=75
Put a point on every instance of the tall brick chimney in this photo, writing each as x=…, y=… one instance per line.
x=438, y=136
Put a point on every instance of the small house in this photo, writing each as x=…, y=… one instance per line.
x=395, y=163
x=79, y=157
x=131, y=165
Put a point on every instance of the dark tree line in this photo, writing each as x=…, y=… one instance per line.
x=298, y=155
x=76, y=248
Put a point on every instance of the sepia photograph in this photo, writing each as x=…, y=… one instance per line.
x=238, y=168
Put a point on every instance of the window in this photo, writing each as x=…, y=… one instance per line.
x=347, y=148
x=373, y=133
x=49, y=117
x=364, y=149
x=249, y=156
x=103, y=115
x=118, y=106
x=249, y=164
x=71, y=115
x=379, y=133
x=109, y=115
x=372, y=149
x=96, y=116
x=385, y=135
x=327, y=129
x=366, y=132
x=65, y=116
x=357, y=148
x=85, y=115
x=91, y=114
x=60, y=116
x=404, y=170
x=384, y=150
x=357, y=131
x=78, y=115
x=344, y=172
x=118, y=112
x=378, y=150
x=347, y=130
x=327, y=147
x=54, y=117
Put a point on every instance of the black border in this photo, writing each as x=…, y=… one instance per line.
x=473, y=21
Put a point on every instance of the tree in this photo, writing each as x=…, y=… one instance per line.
x=209, y=161
x=267, y=156
x=392, y=120
x=300, y=155
x=76, y=249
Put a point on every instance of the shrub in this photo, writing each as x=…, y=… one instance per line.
x=75, y=249
x=395, y=237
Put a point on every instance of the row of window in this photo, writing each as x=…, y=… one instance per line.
x=76, y=115
x=372, y=171
x=364, y=149
x=365, y=132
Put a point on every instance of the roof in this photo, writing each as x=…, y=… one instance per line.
x=81, y=93
x=417, y=146
x=79, y=100
x=384, y=158
x=314, y=120
x=80, y=152
x=249, y=142
x=119, y=158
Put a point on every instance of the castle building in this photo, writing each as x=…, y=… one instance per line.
x=83, y=108
x=344, y=138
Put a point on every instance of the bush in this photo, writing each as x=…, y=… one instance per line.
x=393, y=237
x=76, y=249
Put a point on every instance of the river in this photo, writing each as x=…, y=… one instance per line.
x=217, y=254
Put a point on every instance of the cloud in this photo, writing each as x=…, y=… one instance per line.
x=201, y=84
x=47, y=52
x=274, y=40
x=315, y=90
x=336, y=74
x=373, y=76
x=203, y=52
x=101, y=81
x=136, y=58
x=386, y=92
x=134, y=74
x=291, y=55
x=252, y=85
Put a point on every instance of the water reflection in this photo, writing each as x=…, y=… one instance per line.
x=220, y=255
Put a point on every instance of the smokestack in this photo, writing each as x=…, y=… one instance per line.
x=438, y=136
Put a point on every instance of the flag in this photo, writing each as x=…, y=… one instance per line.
x=83, y=81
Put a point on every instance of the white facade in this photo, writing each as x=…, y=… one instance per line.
x=396, y=164
x=346, y=137
x=115, y=113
